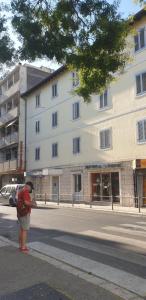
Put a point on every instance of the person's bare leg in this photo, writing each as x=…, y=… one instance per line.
x=23, y=238
x=20, y=237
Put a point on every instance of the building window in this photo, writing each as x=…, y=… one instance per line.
x=54, y=150
x=37, y=100
x=104, y=100
x=8, y=155
x=54, y=119
x=76, y=145
x=9, y=105
x=76, y=110
x=10, y=82
x=77, y=183
x=141, y=128
x=105, y=139
x=37, y=153
x=16, y=76
x=37, y=126
x=75, y=79
x=141, y=83
x=139, y=39
x=54, y=90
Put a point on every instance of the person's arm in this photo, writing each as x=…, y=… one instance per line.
x=27, y=199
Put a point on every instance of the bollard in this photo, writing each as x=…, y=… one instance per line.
x=45, y=198
x=139, y=204
x=58, y=200
x=112, y=203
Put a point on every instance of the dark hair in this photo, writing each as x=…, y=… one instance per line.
x=30, y=184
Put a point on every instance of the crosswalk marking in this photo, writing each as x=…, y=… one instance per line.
x=3, y=244
x=142, y=223
x=114, y=238
x=135, y=226
x=121, y=278
x=100, y=248
x=125, y=230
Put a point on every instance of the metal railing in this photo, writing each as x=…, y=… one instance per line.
x=112, y=202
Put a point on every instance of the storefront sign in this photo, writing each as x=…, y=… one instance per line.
x=141, y=163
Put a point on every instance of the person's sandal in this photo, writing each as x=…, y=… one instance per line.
x=24, y=249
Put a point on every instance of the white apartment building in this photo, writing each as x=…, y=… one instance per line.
x=12, y=121
x=90, y=151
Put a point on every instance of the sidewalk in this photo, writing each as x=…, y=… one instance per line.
x=108, y=208
x=28, y=277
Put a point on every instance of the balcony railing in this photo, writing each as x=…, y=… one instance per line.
x=10, y=115
x=8, y=166
x=9, y=139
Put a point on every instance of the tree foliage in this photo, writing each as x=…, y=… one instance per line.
x=88, y=36
x=6, y=47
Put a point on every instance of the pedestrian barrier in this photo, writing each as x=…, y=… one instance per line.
x=111, y=202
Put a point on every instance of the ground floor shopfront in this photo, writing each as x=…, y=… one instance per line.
x=96, y=183
x=12, y=177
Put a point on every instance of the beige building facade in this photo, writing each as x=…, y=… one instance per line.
x=90, y=152
x=12, y=121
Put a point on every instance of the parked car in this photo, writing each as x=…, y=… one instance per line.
x=8, y=194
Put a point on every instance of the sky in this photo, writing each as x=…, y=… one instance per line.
x=126, y=8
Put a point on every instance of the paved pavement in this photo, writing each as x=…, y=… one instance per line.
x=74, y=254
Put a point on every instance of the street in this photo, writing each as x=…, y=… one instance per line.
x=74, y=254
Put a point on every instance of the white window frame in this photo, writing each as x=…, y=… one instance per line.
x=75, y=79
x=54, y=156
x=37, y=151
x=53, y=85
x=137, y=131
x=141, y=84
x=74, y=110
x=138, y=34
x=37, y=127
x=53, y=114
x=104, y=107
x=37, y=100
x=75, y=138
x=105, y=148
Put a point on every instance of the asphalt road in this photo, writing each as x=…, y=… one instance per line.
x=108, y=249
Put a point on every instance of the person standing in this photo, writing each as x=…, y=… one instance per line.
x=24, y=206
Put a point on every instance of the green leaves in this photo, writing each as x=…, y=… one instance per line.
x=6, y=47
x=88, y=36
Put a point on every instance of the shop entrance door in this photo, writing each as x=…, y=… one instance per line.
x=144, y=190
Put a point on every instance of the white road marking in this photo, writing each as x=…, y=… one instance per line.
x=100, y=248
x=121, y=278
x=110, y=287
x=125, y=230
x=114, y=238
x=135, y=226
x=142, y=223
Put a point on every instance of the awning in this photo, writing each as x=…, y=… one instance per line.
x=11, y=123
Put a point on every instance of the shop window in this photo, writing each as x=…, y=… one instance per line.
x=77, y=183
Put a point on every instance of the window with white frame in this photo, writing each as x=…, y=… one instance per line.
x=76, y=110
x=141, y=83
x=37, y=126
x=37, y=100
x=54, y=119
x=77, y=183
x=141, y=131
x=139, y=39
x=76, y=145
x=54, y=90
x=104, y=100
x=105, y=139
x=75, y=79
x=55, y=150
x=37, y=153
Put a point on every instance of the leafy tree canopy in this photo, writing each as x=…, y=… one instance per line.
x=88, y=36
